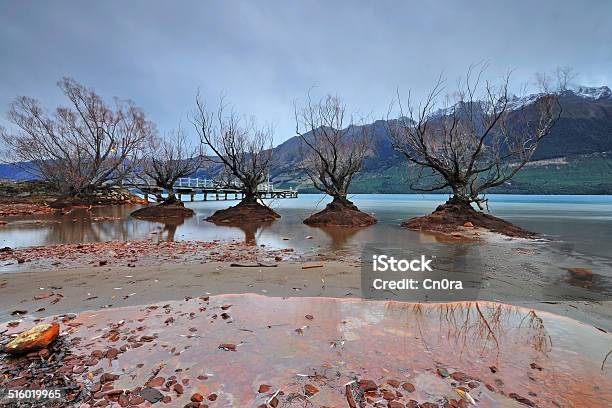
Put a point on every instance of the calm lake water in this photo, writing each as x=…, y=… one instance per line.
x=582, y=223
x=576, y=233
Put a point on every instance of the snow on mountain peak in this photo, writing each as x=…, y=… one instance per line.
x=599, y=92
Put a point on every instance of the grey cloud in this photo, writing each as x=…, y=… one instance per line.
x=264, y=54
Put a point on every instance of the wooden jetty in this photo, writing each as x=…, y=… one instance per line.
x=209, y=190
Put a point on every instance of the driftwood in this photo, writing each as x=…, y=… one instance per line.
x=254, y=265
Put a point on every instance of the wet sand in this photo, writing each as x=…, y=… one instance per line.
x=249, y=350
x=92, y=288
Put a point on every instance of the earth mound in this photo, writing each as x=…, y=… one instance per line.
x=244, y=213
x=163, y=211
x=452, y=217
x=339, y=214
x=111, y=196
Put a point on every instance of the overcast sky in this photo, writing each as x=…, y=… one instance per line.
x=264, y=54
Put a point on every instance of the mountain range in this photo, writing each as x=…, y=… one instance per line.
x=575, y=158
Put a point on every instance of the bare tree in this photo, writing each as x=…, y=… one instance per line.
x=78, y=148
x=557, y=81
x=244, y=150
x=336, y=146
x=479, y=140
x=565, y=75
x=169, y=158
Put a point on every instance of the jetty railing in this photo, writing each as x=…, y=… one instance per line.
x=204, y=187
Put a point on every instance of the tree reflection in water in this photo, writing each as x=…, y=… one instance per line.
x=339, y=236
x=253, y=231
x=539, y=338
x=481, y=324
x=81, y=225
x=169, y=231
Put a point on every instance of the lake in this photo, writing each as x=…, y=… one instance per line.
x=575, y=233
x=582, y=223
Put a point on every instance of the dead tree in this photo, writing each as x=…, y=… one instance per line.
x=81, y=147
x=169, y=158
x=480, y=139
x=243, y=149
x=335, y=147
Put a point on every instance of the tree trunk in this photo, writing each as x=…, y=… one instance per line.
x=171, y=196
x=250, y=196
x=342, y=200
x=460, y=195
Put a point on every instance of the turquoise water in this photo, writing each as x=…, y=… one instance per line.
x=582, y=223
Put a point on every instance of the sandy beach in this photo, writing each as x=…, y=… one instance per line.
x=74, y=290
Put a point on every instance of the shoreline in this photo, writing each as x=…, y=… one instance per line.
x=253, y=350
x=43, y=293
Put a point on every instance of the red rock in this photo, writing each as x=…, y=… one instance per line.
x=36, y=338
x=367, y=385
x=310, y=389
x=393, y=383
x=309, y=317
x=408, y=387
x=43, y=295
x=228, y=346
x=459, y=376
x=468, y=224
x=264, y=388
x=136, y=400
x=581, y=273
x=114, y=393
x=167, y=399
x=91, y=362
x=156, y=382
x=123, y=400
x=178, y=388
x=212, y=397
x=112, y=353
x=388, y=395
x=18, y=382
x=108, y=377
x=395, y=404
x=197, y=397
x=521, y=399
